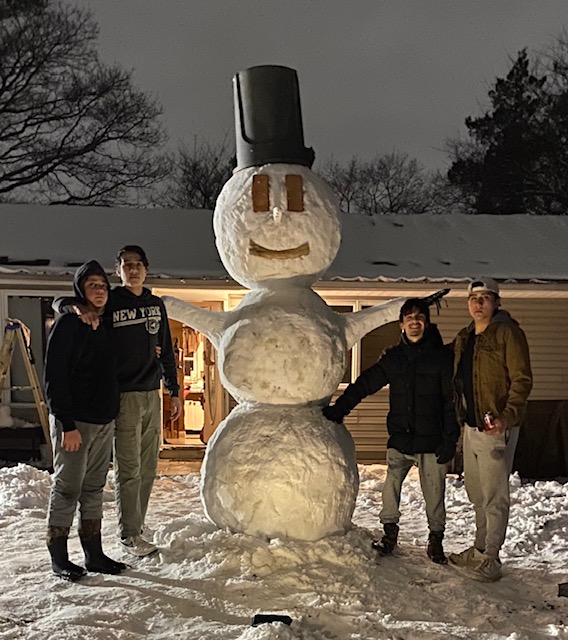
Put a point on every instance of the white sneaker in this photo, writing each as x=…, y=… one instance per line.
x=137, y=546
x=471, y=557
x=147, y=533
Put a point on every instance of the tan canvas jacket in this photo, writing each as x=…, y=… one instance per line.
x=502, y=377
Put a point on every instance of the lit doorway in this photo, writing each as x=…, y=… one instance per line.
x=204, y=401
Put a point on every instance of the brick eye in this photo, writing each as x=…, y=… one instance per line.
x=260, y=193
x=295, y=192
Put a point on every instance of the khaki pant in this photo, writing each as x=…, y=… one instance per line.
x=487, y=463
x=136, y=446
x=79, y=476
x=432, y=481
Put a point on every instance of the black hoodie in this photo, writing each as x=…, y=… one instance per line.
x=80, y=370
x=421, y=411
x=141, y=325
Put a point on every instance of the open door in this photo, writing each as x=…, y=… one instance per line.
x=203, y=396
x=213, y=394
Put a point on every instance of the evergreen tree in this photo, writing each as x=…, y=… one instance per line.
x=515, y=159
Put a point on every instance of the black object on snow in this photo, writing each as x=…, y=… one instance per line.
x=264, y=618
x=563, y=589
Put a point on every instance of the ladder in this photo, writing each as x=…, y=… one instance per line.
x=16, y=333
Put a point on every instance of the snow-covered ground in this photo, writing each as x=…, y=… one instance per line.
x=206, y=583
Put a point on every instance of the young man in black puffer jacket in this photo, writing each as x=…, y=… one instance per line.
x=422, y=425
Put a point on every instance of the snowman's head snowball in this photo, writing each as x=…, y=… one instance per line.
x=276, y=222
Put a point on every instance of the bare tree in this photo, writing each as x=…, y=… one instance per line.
x=447, y=197
x=72, y=130
x=345, y=181
x=389, y=183
x=198, y=175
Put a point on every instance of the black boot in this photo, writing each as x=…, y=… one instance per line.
x=434, y=549
x=387, y=543
x=95, y=559
x=57, y=546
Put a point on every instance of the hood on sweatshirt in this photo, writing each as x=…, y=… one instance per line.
x=91, y=268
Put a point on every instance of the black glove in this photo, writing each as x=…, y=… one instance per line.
x=446, y=451
x=334, y=413
x=436, y=298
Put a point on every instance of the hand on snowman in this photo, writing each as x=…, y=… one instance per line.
x=334, y=412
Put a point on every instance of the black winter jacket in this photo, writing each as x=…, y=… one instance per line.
x=421, y=413
x=80, y=368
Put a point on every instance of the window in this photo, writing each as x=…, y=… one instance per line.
x=36, y=313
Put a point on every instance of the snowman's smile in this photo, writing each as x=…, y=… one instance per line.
x=282, y=254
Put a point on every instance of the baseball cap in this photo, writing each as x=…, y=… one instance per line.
x=483, y=284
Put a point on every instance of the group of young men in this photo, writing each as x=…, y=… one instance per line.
x=110, y=348
x=106, y=356
x=481, y=383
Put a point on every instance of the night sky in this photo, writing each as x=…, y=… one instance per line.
x=374, y=76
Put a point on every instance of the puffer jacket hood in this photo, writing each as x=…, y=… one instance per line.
x=432, y=339
x=91, y=268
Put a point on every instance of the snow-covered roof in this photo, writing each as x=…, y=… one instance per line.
x=180, y=244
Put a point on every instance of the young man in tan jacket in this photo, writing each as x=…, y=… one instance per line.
x=493, y=379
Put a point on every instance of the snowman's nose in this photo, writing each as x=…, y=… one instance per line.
x=277, y=214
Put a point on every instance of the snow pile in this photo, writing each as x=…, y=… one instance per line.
x=207, y=584
x=8, y=421
x=17, y=496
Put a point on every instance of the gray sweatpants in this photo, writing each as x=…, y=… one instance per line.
x=136, y=446
x=432, y=481
x=487, y=463
x=79, y=476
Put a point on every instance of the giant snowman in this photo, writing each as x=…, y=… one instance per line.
x=276, y=467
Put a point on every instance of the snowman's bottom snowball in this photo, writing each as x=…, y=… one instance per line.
x=280, y=471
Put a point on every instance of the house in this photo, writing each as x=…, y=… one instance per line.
x=380, y=258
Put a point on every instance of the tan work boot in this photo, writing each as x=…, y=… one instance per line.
x=489, y=570
x=471, y=558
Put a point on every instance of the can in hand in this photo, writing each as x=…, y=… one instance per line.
x=489, y=420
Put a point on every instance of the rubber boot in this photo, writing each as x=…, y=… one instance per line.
x=95, y=559
x=385, y=546
x=57, y=546
x=435, y=549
